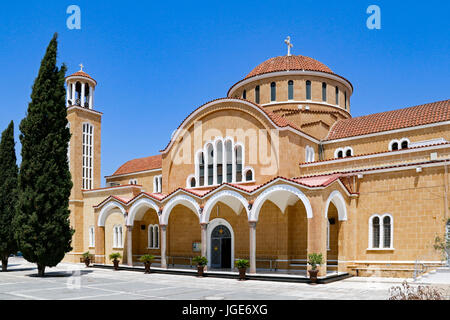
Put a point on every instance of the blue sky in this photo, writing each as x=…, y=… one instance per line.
x=156, y=61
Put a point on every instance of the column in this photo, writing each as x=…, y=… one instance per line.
x=252, y=225
x=163, y=229
x=204, y=238
x=91, y=97
x=67, y=94
x=83, y=93
x=100, y=245
x=130, y=245
x=73, y=93
x=317, y=232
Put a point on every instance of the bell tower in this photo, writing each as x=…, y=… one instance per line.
x=84, y=152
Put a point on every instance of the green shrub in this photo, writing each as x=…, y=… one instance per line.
x=201, y=261
x=115, y=256
x=86, y=255
x=242, y=263
x=315, y=259
x=147, y=258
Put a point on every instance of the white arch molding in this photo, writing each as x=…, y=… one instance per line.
x=141, y=203
x=185, y=200
x=211, y=226
x=107, y=210
x=281, y=195
x=231, y=198
x=339, y=202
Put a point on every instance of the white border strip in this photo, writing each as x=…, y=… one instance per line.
x=133, y=173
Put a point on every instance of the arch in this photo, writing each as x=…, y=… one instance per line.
x=391, y=145
x=339, y=202
x=281, y=195
x=336, y=153
x=137, y=206
x=107, y=210
x=231, y=198
x=185, y=200
x=211, y=226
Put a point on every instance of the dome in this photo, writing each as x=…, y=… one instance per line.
x=83, y=74
x=285, y=63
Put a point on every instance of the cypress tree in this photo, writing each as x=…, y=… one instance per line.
x=42, y=224
x=8, y=194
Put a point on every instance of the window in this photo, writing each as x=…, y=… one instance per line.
x=88, y=156
x=244, y=94
x=308, y=90
x=447, y=231
x=257, y=94
x=273, y=91
x=345, y=99
x=68, y=147
x=348, y=151
x=117, y=237
x=393, y=145
x=380, y=232
x=309, y=154
x=238, y=164
x=399, y=144
x=91, y=237
x=249, y=175
x=328, y=234
x=157, y=184
x=153, y=236
x=224, y=163
x=340, y=154
x=290, y=90
x=337, y=96
x=343, y=152
x=324, y=91
x=133, y=181
x=404, y=143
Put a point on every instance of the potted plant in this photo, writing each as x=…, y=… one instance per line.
x=147, y=260
x=201, y=263
x=115, y=259
x=87, y=258
x=314, y=259
x=242, y=265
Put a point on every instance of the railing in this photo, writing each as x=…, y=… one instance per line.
x=419, y=269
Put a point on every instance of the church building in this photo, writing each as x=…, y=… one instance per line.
x=274, y=171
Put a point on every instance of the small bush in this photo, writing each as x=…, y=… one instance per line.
x=115, y=256
x=242, y=263
x=406, y=292
x=147, y=258
x=86, y=255
x=200, y=261
x=315, y=259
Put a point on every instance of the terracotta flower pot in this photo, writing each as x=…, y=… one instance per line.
x=242, y=273
x=147, y=267
x=87, y=261
x=116, y=264
x=313, y=275
x=200, y=270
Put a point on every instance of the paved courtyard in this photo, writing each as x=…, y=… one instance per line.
x=65, y=282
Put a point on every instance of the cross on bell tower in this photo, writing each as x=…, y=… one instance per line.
x=289, y=45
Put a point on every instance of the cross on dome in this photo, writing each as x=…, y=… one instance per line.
x=289, y=45
x=81, y=66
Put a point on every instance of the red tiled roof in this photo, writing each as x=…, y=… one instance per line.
x=285, y=63
x=141, y=164
x=81, y=74
x=397, y=119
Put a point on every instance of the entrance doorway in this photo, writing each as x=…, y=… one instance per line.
x=221, y=247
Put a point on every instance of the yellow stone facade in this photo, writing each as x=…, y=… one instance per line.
x=297, y=201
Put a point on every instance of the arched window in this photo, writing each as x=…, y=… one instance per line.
x=273, y=91
x=117, y=236
x=348, y=152
x=376, y=232
x=210, y=161
x=309, y=154
x=238, y=163
x=91, y=236
x=201, y=173
x=257, y=94
x=394, y=146
x=308, y=90
x=324, y=91
x=249, y=175
x=244, y=94
x=157, y=184
x=290, y=90
x=345, y=99
x=88, y=156
x=153, y=236
x=328, y=234
x=133, y=181
x=380, y=232
x=337, y=96
x=339, y=153
x=229, y=160
x=387, y=232
x=404, y=143
x=219, y=170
